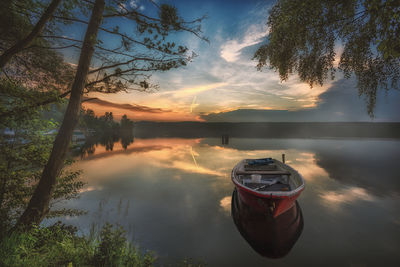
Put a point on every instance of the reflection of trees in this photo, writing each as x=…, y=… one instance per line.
x=106, y=139
x=126, y=138
x=105, y=131
x=126, y=132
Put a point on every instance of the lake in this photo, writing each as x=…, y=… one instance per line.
x=173, y=196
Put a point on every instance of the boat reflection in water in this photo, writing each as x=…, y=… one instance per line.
x=270, y=236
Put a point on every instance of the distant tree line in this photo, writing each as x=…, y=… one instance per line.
x=104, y=131
x=90, y=122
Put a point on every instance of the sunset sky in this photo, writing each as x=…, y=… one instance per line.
x=222, y=83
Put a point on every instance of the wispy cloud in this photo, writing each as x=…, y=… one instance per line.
x=130, y=107
x=139, y=112
x=223, y=78
x=194, y=90
x=231, y=50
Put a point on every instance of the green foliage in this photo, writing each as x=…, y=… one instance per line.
x=17, y=102
x=37, y=66
x=60, y=245
x=15, y=21
x=169, y=17
x=113, y=250
x=17, y=17
x=303, y=35
x=25, y=144
x=105, y=123
x=189, y=263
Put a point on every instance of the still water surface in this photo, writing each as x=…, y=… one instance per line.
x=174, y=196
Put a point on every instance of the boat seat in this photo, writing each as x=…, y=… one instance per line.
x=276, y=187
x=273, y=186
x=263, y=172
x=270, y=167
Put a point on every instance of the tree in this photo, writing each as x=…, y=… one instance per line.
x=303, y=34
x=31, y=62
x=127, y=66
x=25, y=144
x=38, y=205
x=23, y=43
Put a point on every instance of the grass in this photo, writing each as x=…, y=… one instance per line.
x=59, y=245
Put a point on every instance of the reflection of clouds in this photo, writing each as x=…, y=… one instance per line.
x=306, y=165
x=177, y=177
x=150, y=157
x=147, y=156
x=163, y=201
x=90, y=188
x=191, y=167
x=305, y=157
x=194, y=156
x=347, y=195
x=143, y=152
x=225, y=204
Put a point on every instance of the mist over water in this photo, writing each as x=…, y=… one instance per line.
x=173, y=195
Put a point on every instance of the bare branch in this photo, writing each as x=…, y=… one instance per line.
x=107, y=77
x=133, y=60
x=88, y=99
x=70, y=19
x=181, y=26
x=61, y=37
x=89, y=2
x=53, y=47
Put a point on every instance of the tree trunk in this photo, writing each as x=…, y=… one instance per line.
x=7, y=55
x=39, y=204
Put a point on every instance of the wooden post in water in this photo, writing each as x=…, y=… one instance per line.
x=283, y=158
x=225, y=139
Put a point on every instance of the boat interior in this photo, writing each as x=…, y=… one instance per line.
x=267, y=175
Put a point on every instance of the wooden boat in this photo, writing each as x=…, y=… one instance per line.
x=267, y=184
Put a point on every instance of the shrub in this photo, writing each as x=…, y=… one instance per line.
x=60, y=245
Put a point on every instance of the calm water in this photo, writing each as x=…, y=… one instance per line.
x=174, y=196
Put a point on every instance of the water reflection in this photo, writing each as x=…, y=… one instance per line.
x=176, y=196
x=104, y=139
x=270, y=237
x=371, y=166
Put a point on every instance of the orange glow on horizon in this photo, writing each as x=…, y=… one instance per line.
x=142, y=116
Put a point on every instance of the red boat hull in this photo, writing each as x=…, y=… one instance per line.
x=276, y=204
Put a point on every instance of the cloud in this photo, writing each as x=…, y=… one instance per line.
x=131, y=107
x=339, y=103
x=134, y=3
x=222, y=83
x=224, y=78
x=138, y=112
x=194, y=90
x=231, y=50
